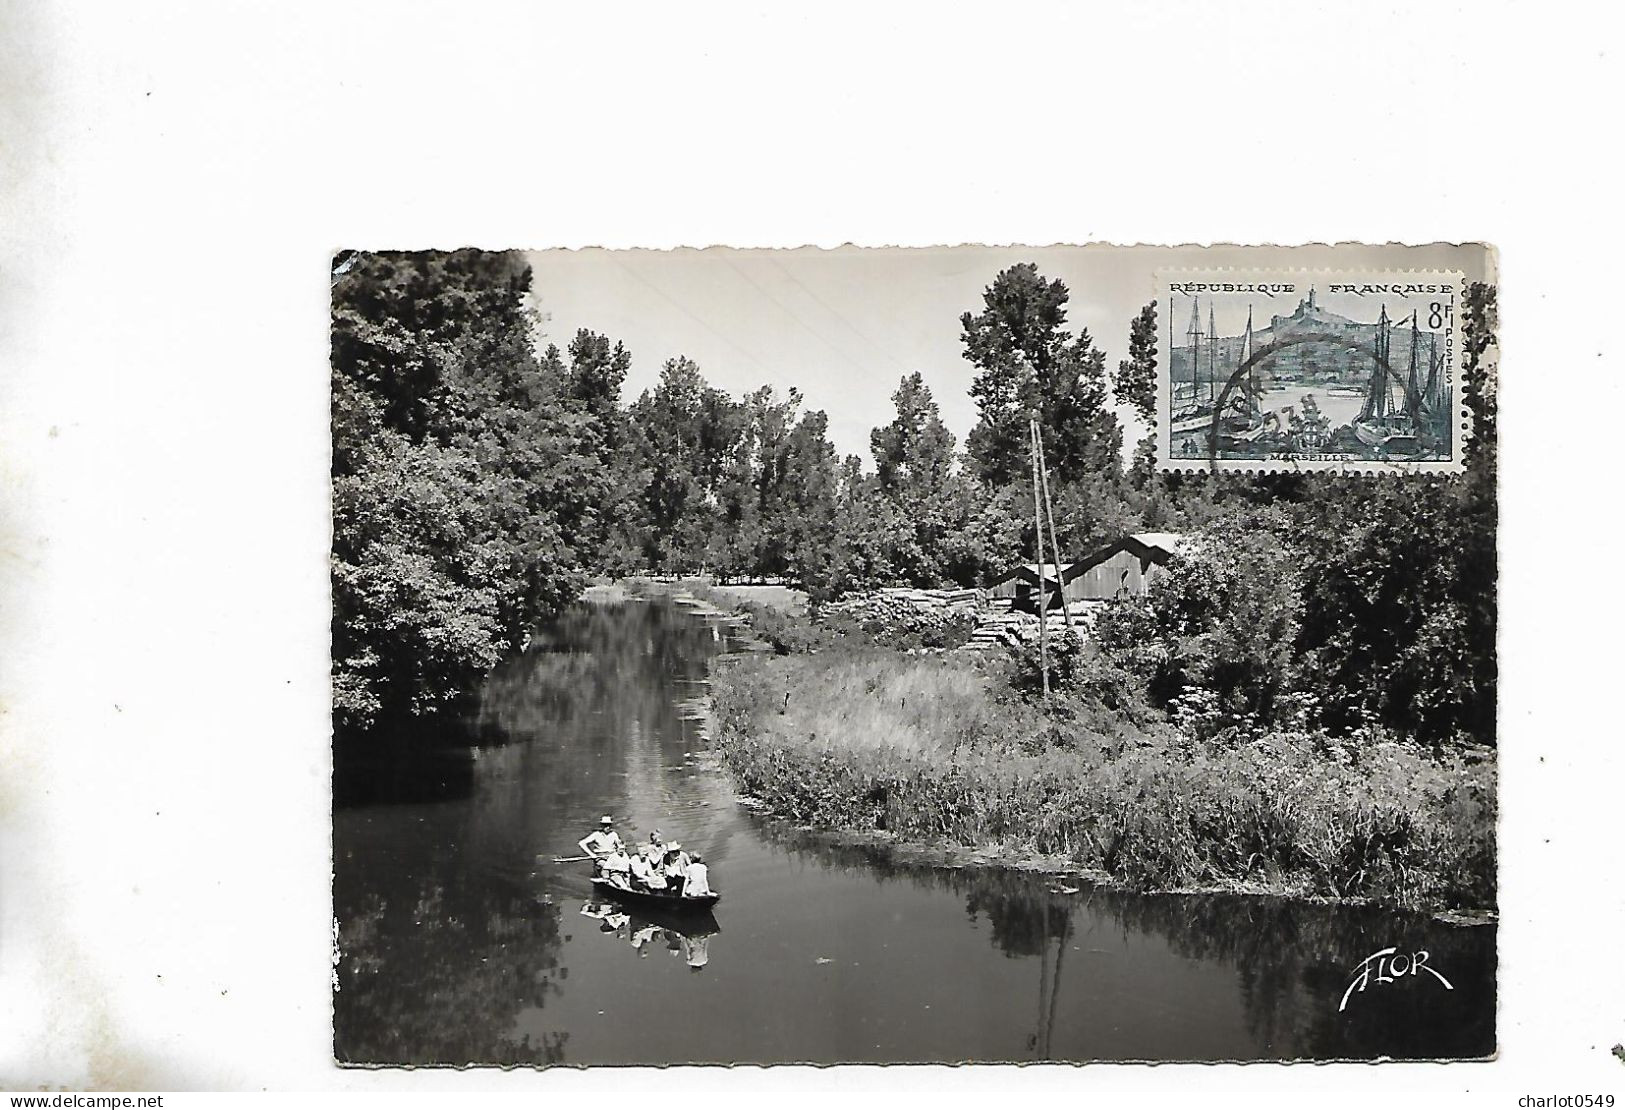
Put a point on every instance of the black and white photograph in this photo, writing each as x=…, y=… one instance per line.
x=761, y=555
x=798, y=656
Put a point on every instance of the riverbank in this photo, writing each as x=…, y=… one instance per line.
x=938, y=752
x=738, y=598
x=1060, y=874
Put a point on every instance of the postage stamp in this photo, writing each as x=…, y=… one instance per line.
x=1310, y=370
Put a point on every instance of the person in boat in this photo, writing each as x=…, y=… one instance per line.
x=654, y=848
x=602, y=842
x=647, y=873
x=616, y=868
x=697, y=883
x=676, y=866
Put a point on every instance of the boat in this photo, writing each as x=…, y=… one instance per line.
x=1248, y=423
x=1390, y=439
x=1231, y=418
x=1245, y=437
x=1199, y=422
x=653, y=900
x=1195, y=412
x=1435, y=407
x=1384, y=426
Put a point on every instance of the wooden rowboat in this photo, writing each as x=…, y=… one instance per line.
x=671, y=903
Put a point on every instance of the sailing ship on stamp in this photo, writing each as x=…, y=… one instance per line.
x=1323, y=384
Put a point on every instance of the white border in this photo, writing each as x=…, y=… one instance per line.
x=175, y=176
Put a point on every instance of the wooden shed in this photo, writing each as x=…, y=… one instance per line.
x=1129, y=567
x=1019, y=585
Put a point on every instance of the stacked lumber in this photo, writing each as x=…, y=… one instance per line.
x=903, y=609
x=1003, y=627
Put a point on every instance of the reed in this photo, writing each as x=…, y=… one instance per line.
x=936, y=750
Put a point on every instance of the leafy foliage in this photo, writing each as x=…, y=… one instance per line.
x=464, y=480
x=684, y=434
x=1135, y=382
x=478, y=477
x=1228, y=614
x=1028, y=365
x=926, y=749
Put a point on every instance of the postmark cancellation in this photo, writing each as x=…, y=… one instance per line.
x=1310, y=370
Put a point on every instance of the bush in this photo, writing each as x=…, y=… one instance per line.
x=928, y=750
x=1065, y=651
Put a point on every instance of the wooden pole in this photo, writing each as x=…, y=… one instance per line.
x=1049, y=513
x=1055, y=977
x=1038, y=543
x=1046, y=988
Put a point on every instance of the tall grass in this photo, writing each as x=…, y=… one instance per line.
x=931, y=749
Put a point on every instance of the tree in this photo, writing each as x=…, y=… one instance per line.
x=758, y=479
x=430, y=335
x=915, y=452
x=1028, y=365
x=1135, y=382
x=1228, y=612
x=777, y=491
x=984, y=539
x=1479, y=319
x=871, y=535
x=597, y=371
x=1398, y=626
x=684, y=433
x=1135, y=385
x=609, y=534
x=914, y=457
x=457, y=467
x=419, y=583
x=1089, y=513
x=1478, y=552
x=1400, y=622
x=803, y=512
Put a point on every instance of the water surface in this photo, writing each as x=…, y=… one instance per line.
x=459, y=946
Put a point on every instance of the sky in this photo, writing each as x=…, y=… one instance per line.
x=845, y=325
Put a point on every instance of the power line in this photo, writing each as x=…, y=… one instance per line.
x=782, y=307
x=759, y=362
x=850, y=326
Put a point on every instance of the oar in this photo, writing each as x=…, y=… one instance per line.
x=569, y=859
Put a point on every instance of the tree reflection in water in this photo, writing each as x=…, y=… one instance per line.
x=1293, y=960
x=618, y=659
x=420, y=985
x=447, y=952
x=443, y=943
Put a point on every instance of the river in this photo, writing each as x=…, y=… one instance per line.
x=459, y=945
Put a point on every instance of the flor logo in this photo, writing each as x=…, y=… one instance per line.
x=1389, y=966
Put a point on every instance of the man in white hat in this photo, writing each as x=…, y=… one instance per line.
x=602, y=842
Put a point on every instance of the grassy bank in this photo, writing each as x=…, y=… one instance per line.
x=937, y=750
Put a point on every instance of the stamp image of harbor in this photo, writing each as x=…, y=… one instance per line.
x=1358, y=371
x=805, y=656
